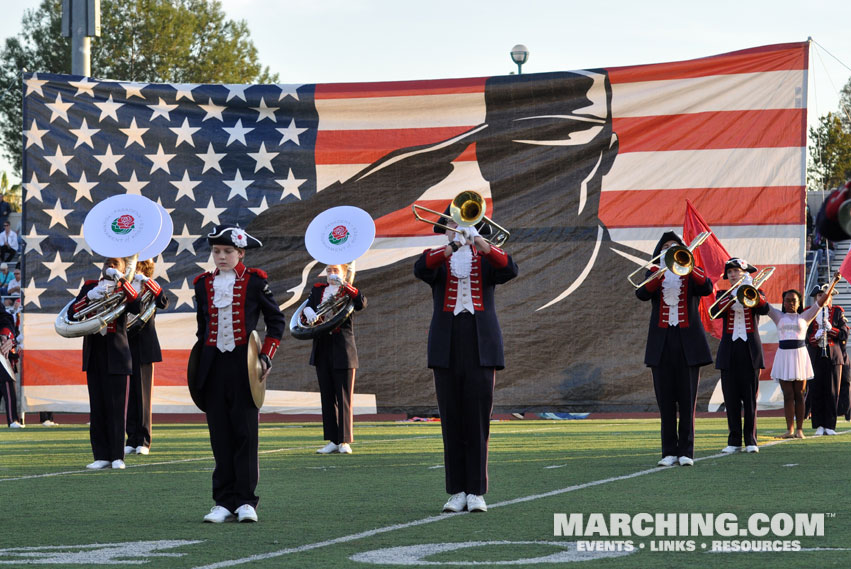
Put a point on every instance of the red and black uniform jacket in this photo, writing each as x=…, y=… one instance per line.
x=836, y=337
x=115, y=341
x=696, y=348
x=489, y=270
x=7, y=328
x=340, y=342
x=725, y=348
x=251, y=297
x=145, y=341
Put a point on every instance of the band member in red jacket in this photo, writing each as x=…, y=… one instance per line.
x=826, y=339
x=108, y=365
x=740, y=357
x=8, y=333
x=229, y=302
x=676, y=349
x=335, y=356
x=464, y=352
x=145, y=349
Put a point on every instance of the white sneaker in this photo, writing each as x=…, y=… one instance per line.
x=667, y=461
x=829, y=432
x=143, y=450
x=730, y=449
x=129, y=450
x=476, y=503
x=15, y=425
x=246, y=513
x=456, y=503
x=328, y=449
x=686, y=461
x=48, y=423
x=118, y=464
x=218, y=514
x=98, y=465
x=819, y=432
x=751, y=448
x=345, y=449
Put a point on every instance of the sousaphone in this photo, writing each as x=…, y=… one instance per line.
x=337, y=236
x=119, y=226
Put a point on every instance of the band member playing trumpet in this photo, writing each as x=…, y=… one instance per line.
x=464, y=351
x=676, y=349
x=335, y=357
x=145, y=349
x=229, y=301
x=826, y=339
x=108, y=365
x=740, y=356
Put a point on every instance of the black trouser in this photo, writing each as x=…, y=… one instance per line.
x=108, y=407
x=824, y=392
x=843, y=405
x=10, y=398
x=675, y=383
x=139, y=403
x=740, y=383
x=336, y=388
x=233, y=421
x=7, y=253
x=465, y=401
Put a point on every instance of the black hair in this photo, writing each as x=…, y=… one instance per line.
x=800, y=299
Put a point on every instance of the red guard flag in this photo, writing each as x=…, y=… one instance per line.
x=712, y=256
x=845, y=268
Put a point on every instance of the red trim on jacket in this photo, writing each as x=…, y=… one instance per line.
x=240, y=334
x=682, y=309
x=270, y=346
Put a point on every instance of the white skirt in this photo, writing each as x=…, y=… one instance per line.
x=792, y=365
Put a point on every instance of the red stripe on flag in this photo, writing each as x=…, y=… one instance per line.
x=777, y=205
x=399, y=88
x=768, y=352
x=781, y=57
x=732, y=129
x=367, y=146
x=402, y=223
x=63, y=367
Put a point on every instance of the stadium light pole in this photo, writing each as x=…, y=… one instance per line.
x=519, y=55
x=81, y=21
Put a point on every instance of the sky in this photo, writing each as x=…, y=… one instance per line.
x=328, y=41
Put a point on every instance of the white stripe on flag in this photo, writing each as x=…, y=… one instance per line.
x=717, y=168
x=414, y=111
x=737, y=92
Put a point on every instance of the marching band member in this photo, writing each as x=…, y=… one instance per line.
x=740, y=357
x=145, y=350
x=335, y=357
x=108, y=365
x=229, y=301
x=7, y=383
x=826, y=339
x=464, y=351
x=676, y=349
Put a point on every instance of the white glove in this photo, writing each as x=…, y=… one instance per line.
x=827, y=326
x=309, y=314
x=747, y=280
x=819, y=333
x=469, y=233
x=139, y=280
x=459, y=238
x=97, y=293
x=113, y=273
x=335, y=279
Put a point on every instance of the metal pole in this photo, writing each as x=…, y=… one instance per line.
x=80, y=43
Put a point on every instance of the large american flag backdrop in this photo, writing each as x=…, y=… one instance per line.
x=586, y=168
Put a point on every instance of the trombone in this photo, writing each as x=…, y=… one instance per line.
x=746, y=294
x=678, y=259
x=466, y=210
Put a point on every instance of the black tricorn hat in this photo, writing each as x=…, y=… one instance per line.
x=823, y=288
x=234, y=236
x=737, y=263
x=667, y=236
x=443, y=220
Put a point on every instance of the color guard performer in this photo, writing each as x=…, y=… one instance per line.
x=229, y=301
x=676, y=348
x=464, y=351
x=335, y=357
x=826, y=339
x=740, y=356
x=108, y=365
x=145, y=349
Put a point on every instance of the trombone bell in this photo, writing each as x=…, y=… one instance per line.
x=467, y=209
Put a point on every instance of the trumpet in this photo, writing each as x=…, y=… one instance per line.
x=678, y=259
x=467, y=209
x=746, y=294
